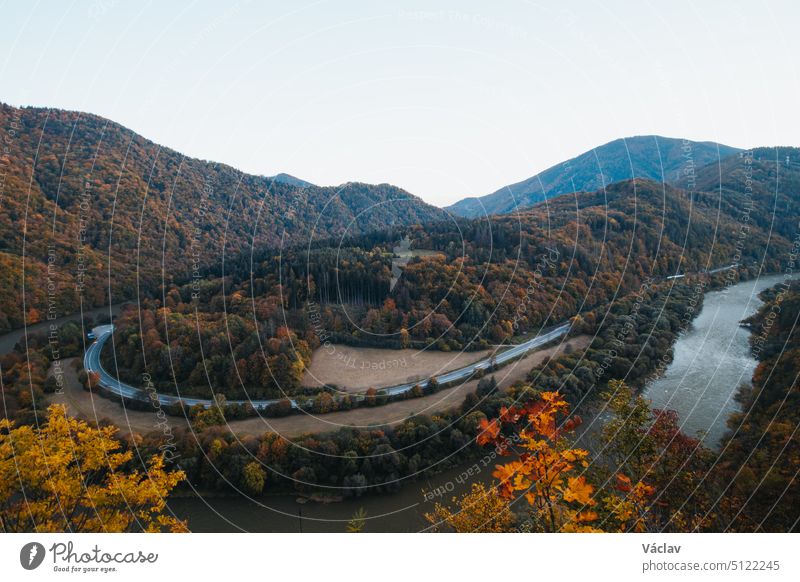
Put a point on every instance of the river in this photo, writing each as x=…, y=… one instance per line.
x=711, y=360
x=397, y=512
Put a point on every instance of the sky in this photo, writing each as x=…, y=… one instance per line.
x=446, y=99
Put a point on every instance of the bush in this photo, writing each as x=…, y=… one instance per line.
x=432, y=387
x=277, y=409
x=486, y=386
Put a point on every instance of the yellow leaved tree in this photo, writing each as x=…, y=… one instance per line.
x=67, y=476
x=482, y=510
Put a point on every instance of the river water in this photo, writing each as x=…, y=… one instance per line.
x=397, y=512
x=711, y=360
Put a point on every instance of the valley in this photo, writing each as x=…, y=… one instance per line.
x=85, y=404
x=281, y=340
x=390, y=268
x=707, y=386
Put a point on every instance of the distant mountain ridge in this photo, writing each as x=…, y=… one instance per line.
x=284, y=178
x=653, y=157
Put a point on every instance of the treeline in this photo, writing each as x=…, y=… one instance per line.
x=760, y=456
x=347, y=462
x=353, y=461
x=632, y=340
x=102, y=214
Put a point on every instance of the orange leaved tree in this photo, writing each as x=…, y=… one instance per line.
x=551, y=474
x=548, y=472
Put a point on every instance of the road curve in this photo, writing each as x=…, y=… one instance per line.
x=91, y=362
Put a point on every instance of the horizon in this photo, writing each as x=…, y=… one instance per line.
x=357, y=181
x=434, y=101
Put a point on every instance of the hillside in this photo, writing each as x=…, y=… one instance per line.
x=491, y=281
x=290, y=180
x=768, y=176
x=652, y=157
x=91, y=212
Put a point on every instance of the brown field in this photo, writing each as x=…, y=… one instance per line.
x=356, y=369
x=87, y=405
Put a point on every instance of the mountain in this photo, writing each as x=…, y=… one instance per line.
x=290, y=180
x=769, y=176
x=91, y=212
x=652, y=157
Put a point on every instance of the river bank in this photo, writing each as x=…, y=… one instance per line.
x=711, y=360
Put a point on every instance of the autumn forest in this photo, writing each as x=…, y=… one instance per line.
x=218, y=302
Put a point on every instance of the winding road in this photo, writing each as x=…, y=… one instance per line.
x=91, y=362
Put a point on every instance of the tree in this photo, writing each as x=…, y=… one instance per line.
x=405, y=340
x=92, y=380
x=482, y=510
x=282, y=407
x=358, y=521
x=547, y=471
x=648, y=452
x=627, y=444
x=486, y=386
x=67, y=476
x=253, y=478
x=323, y=403
x=203, y=417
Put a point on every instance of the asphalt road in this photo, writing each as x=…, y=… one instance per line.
x=91, y=362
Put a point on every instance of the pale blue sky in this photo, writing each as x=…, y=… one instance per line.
x=445, y=99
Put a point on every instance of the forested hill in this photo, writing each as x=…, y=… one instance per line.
x=763, y=486
x=82, y=197
x=653, y=157
x=489, y=281
x=768, y=177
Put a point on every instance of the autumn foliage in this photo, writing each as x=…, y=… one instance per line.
x=482, y=510
x=550, y=475
x=69, y=477
x=548, y=472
